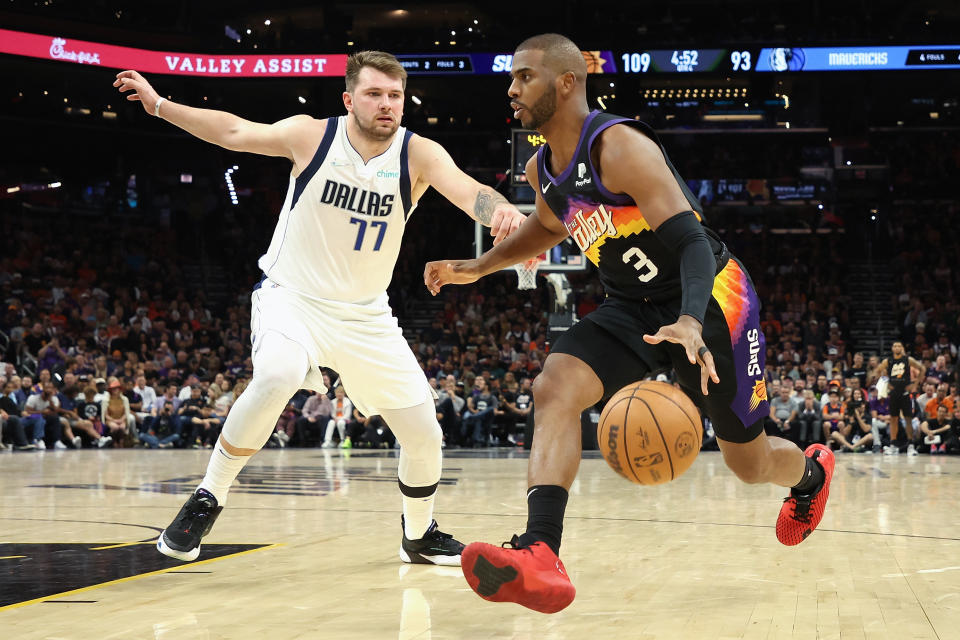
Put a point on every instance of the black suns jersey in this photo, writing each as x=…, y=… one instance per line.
x=899, y=373
x=609, y=228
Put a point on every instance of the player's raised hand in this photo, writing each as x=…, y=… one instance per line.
x=686, y=331
x=133, y=81
x=505, y=220
x=441, y=272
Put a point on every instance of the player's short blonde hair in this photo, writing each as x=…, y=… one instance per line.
x=379, y=60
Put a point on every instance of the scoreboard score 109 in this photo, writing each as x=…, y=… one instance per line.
x=688, y=60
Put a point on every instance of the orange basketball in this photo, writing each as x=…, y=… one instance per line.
x=649, y=432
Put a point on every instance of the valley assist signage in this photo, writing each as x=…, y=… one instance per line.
x=175, y=63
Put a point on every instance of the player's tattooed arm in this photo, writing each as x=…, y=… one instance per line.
x=485, y=204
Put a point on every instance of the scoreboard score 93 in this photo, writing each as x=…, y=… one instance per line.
x=688, y=60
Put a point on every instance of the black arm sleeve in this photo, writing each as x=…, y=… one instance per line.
x=698, y=266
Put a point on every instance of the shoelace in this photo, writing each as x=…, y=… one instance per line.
x=514, y=543
x=802, y=504
x=438, y=535
x=199, y=509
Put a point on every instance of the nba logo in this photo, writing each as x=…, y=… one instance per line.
x=581, y=170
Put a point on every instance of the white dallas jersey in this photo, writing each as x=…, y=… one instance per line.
x=340, y=228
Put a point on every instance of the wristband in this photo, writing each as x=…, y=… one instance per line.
x=156, y=107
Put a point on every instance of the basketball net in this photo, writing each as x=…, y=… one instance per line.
x=527, y=273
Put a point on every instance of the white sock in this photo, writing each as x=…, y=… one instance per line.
x=222, y=470
x=417, y=516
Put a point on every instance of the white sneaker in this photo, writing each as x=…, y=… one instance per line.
x=277, y=440
x=59, y=445
x=327, y=445
x=41, y=444
x=911, y=450
x=77, y=442
x=283, y=436
x=104, y=441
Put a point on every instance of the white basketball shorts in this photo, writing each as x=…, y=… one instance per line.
x=363, y=343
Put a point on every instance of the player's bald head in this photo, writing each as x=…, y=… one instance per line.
x=560, y=54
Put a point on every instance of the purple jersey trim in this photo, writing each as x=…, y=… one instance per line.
x=573, y=160
x=615, y=198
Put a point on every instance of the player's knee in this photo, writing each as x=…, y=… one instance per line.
x=274, y=384
x=550, y=391
x=422, y=441
x=749, y=471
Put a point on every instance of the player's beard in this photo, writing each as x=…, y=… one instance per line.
x=543, y=109
x=372, y=130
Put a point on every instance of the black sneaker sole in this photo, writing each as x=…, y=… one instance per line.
x=491, y=577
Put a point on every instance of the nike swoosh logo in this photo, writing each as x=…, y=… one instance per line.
x=530, y=493
x=544, y=188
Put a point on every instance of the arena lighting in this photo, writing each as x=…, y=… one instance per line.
x=732, y=117
x=266, y=22
x=600, y=102
x=301, y=100
x=13, y=189
x=228, y=178
x=415, y=100
x=55, y=185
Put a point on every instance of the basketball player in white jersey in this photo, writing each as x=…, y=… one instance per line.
x=322, y=301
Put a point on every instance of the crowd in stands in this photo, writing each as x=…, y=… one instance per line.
x=106, y=342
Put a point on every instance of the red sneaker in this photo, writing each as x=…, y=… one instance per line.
x=531, y=576
x=800, y=514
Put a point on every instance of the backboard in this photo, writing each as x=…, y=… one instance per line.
x=566, y=256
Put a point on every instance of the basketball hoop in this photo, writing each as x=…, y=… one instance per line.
x=527, y=273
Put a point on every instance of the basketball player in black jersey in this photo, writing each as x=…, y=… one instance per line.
x=898, y=365
x=676, y=298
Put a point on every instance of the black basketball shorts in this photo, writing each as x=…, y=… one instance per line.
x=610, y=341
x=900, y=402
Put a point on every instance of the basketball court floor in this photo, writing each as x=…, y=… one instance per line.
x=307, y=548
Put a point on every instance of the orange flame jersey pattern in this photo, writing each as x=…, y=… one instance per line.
x=590, y=224
x=730, y=289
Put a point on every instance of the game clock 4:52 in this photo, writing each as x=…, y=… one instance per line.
x=688, y=60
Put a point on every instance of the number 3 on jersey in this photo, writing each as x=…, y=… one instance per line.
x=642, y=263
x=379, y=225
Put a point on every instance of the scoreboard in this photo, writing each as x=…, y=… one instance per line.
x=687, y=59
x=784, y=59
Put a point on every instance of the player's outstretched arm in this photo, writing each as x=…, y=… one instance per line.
x=434, y=166
x=539, y=232
x=218, y=127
